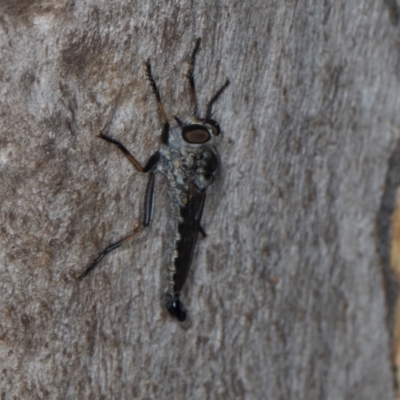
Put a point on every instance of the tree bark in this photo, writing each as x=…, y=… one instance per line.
x=286, y=295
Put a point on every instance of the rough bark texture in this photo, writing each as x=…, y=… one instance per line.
x=286, y=296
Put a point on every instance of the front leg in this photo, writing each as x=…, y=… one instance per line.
x=165, y=130
x=190, y=77
x=215, y=98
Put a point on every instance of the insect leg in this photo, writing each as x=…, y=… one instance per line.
x=148, y=200
x=190, y=76
x=108, y=249
x=165, y=130
x=152, y=161
x=215, y=98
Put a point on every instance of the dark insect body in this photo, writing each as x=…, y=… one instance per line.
x=189, y=162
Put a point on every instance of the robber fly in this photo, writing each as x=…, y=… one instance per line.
x=189, y=162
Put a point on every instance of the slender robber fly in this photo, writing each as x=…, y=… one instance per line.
x=189, y=162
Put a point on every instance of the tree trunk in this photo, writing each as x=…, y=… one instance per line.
x=285, y=296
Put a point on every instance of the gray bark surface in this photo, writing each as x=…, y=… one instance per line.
x=286, y=297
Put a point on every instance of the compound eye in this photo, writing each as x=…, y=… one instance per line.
x=214, y=126
x=196, y=134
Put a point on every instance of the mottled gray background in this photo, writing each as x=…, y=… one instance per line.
x=285, y=296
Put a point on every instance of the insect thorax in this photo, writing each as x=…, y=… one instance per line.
x=186, y=166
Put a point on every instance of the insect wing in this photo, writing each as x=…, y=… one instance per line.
x=188, y=230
